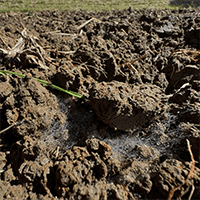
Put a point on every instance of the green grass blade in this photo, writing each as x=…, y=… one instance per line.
x=3, y=72
x=9, y=72
x=59, y=88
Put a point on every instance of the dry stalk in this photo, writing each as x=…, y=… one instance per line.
x=130, y=26
x=57, y=151
x=187, y=53
x=137, y=59
x=27, y=17
x=191, y=193
x=5, y=43
x=67, y=52
x=133, y=68
x=6, y=15
x=18, y=20
x=41, y=18
x=62, y=52
x=11, y=126
x=62, y=34
x=192, y=168
x=38, y=47
x=101, y=70
x=27, y=51
x=87, y=22
x=58, y=31
x=124, y=31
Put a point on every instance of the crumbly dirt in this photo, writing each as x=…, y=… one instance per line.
x=127, y=137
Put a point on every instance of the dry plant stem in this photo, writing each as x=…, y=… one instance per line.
x=84, y=24
x=58, y=31
x=22, y=24
x=67, y=52
x=192, y=168
x=38, y=50
x=11, y=126
x=137, y=59
x=28, y=46
x=57, y=151
x=64, y=52
x=6, y=15
x=191, y=193
x=124, y=31
x=5, y=43
x=130, y=26
x=62, y=34
x=87, y=22
x=42, y=18
x=101, y=70
x=133, y=68
x=18, y=20
x=186, y=52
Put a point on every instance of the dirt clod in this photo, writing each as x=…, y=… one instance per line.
x=128, y=136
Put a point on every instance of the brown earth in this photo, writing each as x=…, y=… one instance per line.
x=129, y=137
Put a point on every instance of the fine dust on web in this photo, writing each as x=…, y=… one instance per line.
x=159, y=136
x=57, y=134
x=73, y=130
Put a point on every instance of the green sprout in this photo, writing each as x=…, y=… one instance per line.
x=3, y=72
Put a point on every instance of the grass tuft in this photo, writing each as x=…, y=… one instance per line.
x=87, y=5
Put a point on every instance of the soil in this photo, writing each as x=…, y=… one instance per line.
x=129, y=136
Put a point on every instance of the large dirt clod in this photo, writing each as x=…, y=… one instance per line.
x=127, y=107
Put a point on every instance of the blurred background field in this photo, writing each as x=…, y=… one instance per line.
x=92, y=5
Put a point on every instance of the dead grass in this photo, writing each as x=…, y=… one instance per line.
x=90, y=5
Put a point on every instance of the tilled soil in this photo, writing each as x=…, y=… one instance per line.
x=129, y=136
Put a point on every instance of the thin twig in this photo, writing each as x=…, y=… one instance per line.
x=6, y=15
x=11, y=126
x=57, y=151
x=124, y=31
x=5, y=43
x=84, y=24
x=191, y=193
x=64, y=52
x=67, y=52
x=57, y=31
x=130, y=26
x=133, y=68
x=42, y=18
x=61, y=34
x=101, y=70
x=38, y=51
x=87, y=22
x=18, y=20
x=137, y=59
x=192, y=168
x=185, y=52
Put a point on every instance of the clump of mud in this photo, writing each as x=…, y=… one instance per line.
x=134, y=134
